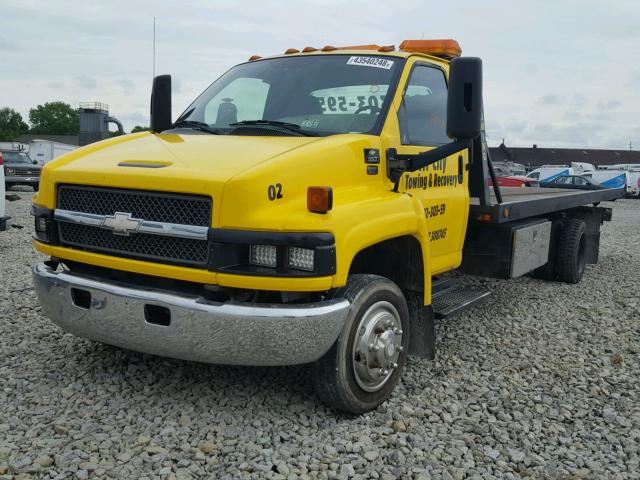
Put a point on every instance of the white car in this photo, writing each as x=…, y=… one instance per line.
x=548, y=174
x=4, y=220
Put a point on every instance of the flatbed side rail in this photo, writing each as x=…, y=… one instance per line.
x=532, y=202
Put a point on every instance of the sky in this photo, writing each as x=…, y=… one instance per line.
x=560, y=73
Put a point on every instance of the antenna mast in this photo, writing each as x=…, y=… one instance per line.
x=154, y=47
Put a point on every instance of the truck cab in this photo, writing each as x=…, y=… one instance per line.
x=297, y=212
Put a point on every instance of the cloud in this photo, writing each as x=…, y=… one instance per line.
x=56, y=85
x=134, y=118
x=127, y=85
x=549, y=99
x=609, y=104
x=535, y=91
x=86, y=82
x=581, y=133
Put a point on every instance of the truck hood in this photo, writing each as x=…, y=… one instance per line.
x=168, y=156
x=188, y=163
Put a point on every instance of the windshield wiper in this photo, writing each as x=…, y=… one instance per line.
x=200, y=126
x=291, y=127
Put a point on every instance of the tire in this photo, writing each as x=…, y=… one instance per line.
x=571, y=258
x=36, y=187
x=357, y=386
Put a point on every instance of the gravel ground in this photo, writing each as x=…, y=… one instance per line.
x=541, y=382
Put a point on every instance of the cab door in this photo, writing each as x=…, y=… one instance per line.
x=441, y=187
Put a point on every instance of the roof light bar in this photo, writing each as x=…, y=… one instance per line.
x=446, y=48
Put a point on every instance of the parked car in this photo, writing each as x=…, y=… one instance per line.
x=548, y=173
x=20, y=169
x=573, y=181
x=516, y=181
x=4, y=220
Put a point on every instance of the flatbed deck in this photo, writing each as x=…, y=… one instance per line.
x=524, y=202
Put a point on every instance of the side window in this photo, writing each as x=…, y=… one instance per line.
x=579, y=181
x=242, y=99
x=423, y=112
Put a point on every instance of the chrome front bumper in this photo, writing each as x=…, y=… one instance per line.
x=198, y=330
x=22, y=180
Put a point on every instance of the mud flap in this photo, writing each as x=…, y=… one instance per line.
x=422, y=340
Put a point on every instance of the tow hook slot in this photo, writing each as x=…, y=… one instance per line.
x=81, y=298
x=157, y=315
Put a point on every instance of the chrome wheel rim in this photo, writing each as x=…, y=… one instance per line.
x=377, y=346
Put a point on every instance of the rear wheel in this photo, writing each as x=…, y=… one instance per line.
x=571, y=258
x=364, y=365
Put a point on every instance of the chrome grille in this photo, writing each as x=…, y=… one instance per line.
x=140, y=245
x=21, y=171
x=173, y=208
x=154, y=206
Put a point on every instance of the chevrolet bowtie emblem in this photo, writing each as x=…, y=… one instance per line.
x=121, y=223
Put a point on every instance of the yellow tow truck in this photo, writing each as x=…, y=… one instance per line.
x=304, y=209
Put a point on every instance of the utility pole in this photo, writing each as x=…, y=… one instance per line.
x=154, y=48
x=630, y=145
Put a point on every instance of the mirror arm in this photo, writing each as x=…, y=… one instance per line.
x=397, y=164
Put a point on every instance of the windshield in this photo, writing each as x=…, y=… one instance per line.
x=319, y=95
x=16, y=157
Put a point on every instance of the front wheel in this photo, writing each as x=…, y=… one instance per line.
x=362, y=368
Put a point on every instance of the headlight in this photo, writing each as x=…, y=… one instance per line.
x=10, y=171
x=264, y=255
x=301, y=258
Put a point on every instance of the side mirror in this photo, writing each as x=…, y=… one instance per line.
x=161, y=103
x=464, y=103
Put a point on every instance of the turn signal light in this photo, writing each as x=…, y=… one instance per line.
x=447, y=48
x=319, y=199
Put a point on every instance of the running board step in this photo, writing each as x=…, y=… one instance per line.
x=449, y=299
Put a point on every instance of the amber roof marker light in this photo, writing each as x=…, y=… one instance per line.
x=445, y=48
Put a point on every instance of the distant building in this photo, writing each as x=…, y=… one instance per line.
x=536, y=156
x=45, y=148
x=94, y=122
x=65, y=139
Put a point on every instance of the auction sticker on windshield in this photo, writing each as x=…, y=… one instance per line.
x=371, y=62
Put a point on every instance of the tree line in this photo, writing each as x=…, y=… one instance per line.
x=51, y=118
